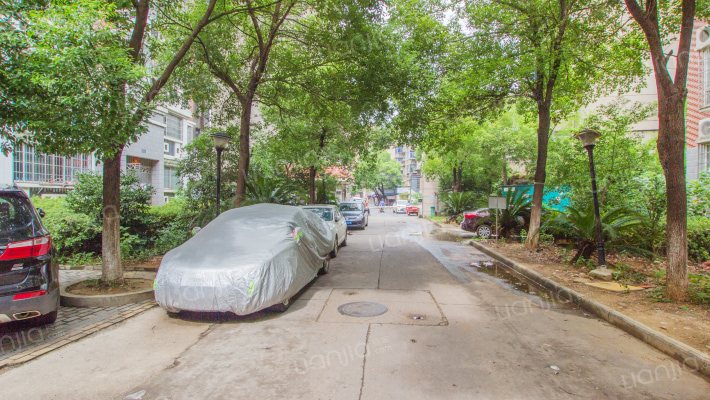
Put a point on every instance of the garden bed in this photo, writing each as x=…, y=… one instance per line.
x=688, y=322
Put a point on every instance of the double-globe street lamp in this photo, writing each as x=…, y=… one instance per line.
x=220, y=142
x=588, y=137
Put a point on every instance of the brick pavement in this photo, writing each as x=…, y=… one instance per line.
x=20, y=340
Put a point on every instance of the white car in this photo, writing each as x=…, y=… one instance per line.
x=401, y=206
x=335, y=221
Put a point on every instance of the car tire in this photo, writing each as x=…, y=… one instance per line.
x=326, y=267
x=334, y=252
x=46, y=319
x=172, y=314
x=282, y=307
x=483, y=231
x=345, y=241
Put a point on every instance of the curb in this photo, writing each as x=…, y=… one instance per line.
x=72, y=337
x=73, y=300
x=689, y=356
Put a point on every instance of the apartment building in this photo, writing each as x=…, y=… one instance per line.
x=698, y=103
x=410, y=169
x=153, y=157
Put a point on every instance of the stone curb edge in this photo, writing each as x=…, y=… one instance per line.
x=72, y=337
x=689, y=356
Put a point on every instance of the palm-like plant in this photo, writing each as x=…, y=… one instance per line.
x=261, y=189
x=580, y=225
x=456, y=203
x=517, y=214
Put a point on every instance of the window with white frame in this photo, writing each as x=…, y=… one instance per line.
x=704, y=161
x=173, y=128
x=32, y=166
x=171, y=180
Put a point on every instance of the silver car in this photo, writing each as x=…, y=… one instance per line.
x=335, y=220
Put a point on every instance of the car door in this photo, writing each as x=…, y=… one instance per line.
x=341, y=226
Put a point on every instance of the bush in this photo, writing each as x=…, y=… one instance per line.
x=87, y=198
x=72, y=232
x=698, y=239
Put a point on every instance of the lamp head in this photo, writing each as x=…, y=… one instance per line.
x=588, y=137
x=220, y=140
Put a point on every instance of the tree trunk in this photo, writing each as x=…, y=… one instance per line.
x=112, y=270
x=312, y=185
x=455, y=184
x=671, y=151
x=244, y=152
x=543, y=135
x=672, y=94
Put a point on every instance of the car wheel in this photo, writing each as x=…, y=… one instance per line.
x=334, y=252
x=46, y=319
x=172, y=314
x=345, y=241
x=281, y=307
x=326, y=266
x=484, y=231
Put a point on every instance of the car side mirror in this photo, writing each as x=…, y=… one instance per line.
x=41, y=212
x=337, y=218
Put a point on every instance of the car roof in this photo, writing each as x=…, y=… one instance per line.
x=14, y=189
x=318, y=206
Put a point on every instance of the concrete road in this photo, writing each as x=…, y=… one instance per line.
x=450, y=332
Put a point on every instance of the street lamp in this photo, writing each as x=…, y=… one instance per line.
x=588, y=137
x=220, y=142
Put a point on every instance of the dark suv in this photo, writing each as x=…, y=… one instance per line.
x=29, y=284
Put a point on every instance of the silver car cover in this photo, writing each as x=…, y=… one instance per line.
x=245, y=260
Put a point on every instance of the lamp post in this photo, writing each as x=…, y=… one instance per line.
x=220, y=142
x=588, y=137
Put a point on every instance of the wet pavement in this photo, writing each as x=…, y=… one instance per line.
x=456, y=326
x=20, y=336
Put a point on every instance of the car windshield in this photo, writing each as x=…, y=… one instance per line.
x=326, y=214
x=15, y=219
x=350, y=207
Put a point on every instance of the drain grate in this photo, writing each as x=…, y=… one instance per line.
x=362, y=309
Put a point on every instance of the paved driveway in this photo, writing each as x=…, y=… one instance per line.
x=450, y=332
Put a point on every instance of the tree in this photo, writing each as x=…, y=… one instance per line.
x=553, y=55
x=89, y=88
x=475, y=155
x=378, y=171
x=658, y=25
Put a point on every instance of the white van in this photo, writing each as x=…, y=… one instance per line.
x=401, y=206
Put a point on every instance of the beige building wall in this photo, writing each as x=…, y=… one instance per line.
x=430, y=196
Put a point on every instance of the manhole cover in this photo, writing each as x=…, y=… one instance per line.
x=362, y=309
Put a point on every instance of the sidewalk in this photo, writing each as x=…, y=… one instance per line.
x=23, y=342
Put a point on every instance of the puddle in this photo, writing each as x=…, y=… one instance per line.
x=518, y=283
x=444, y=236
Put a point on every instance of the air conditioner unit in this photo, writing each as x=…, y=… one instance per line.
x=702, y=39
x=704, y=131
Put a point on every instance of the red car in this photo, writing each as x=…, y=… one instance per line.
x=480, y=221
x=412, y=209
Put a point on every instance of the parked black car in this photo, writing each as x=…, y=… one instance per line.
x=355, y=214
x=29, y=281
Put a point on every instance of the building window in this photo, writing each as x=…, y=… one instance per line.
x=140, y=167
x=173, y=127
x=31, y=166
x=169, y=148
x=171, y=180
x=705, y=78
x=704, y=151
x=158, y=118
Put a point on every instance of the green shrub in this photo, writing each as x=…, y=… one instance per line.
x=698, y=239
x=456, y=203
x=72, y=232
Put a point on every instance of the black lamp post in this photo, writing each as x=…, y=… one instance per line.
x=588, y=137
x=220, y=142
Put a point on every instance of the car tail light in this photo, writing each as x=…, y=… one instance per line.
x=29, y=295
x=27, y=248
x=469, y=215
